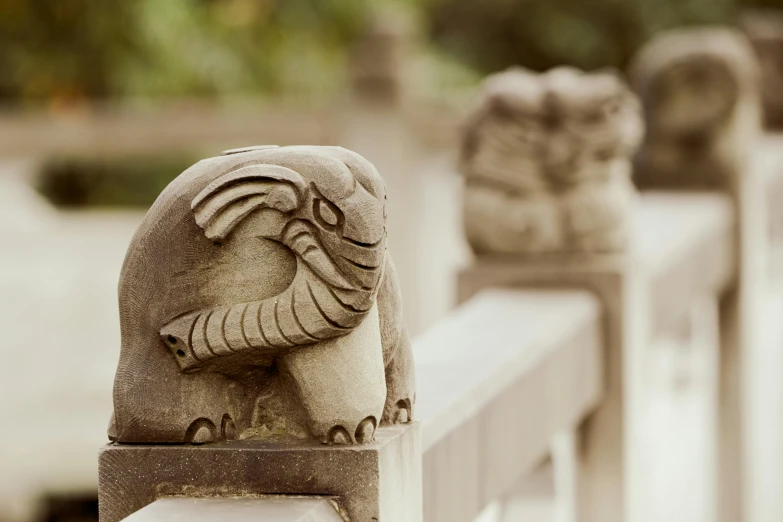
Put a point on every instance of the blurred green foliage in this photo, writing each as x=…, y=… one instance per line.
x=75, y=49
x=213, y=47
x=494, y=34
x=61, y=50
x=71, y=50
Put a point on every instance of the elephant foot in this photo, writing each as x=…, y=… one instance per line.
x=201, y=431
x=204, y=431
x=401, y=414
x=339, y=436
x=364, y=433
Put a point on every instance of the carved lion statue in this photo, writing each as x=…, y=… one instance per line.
x=257, y=299
x=701, y=96
x=546, y=162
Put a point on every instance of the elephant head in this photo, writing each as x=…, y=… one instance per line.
x=327, y=205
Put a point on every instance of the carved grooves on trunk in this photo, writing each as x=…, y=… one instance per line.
x=279, y=323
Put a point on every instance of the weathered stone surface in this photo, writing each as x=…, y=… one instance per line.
x=380, y=481
x=546, y=162
x=257, y=299
x=700, y=91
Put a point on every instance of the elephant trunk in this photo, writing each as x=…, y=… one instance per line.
x=310, y=310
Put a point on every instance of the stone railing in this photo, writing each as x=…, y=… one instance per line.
x=538, y=350
x=552, y=349
x=544, y=349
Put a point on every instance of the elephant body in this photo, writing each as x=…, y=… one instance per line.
x=258, y=298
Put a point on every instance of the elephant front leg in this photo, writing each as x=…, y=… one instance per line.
x=398, y=356
x=341, y=384
x=400, y=384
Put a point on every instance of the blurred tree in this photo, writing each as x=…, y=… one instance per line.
x=61, y=51
x=213, y=47
x=494, y=34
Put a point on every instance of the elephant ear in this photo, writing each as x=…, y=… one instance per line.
x=230, y=198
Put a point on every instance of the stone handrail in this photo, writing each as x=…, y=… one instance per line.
x=195, y=126
x=498, y=378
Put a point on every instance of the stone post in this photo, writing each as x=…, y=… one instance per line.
x=548, y=202
x=263, y=348
x=700, y=89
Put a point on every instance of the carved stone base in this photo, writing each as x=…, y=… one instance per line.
x=374, y=482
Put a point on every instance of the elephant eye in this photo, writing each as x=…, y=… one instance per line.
x=326, y=214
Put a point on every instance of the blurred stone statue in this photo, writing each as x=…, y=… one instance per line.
x=700, y=91
x=257, y=299
x=546, y=159
x=764, y=28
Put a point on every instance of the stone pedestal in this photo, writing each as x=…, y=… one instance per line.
x=374, y=482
